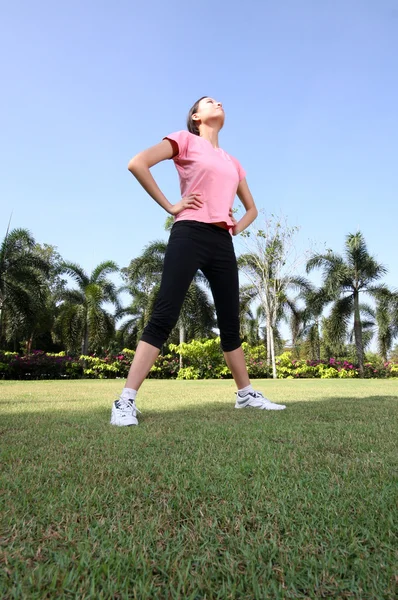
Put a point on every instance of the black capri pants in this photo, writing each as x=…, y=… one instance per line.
x=194, y=245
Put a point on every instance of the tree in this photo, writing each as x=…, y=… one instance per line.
x=135, y=315
x=337, y=347
x=343, y=282
x=142, y=277
x=386, y=317
x=249, y=321
x=23, y=276
x=41, y=331
x=271, y=270
x=394, y=354
x=83, y=320
x=196, y=318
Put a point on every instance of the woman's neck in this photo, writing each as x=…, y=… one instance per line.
x=210, y=134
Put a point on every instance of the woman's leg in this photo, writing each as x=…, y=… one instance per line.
x=222, y=274
x=237, y=365
x=180, y=266
x=144, y=359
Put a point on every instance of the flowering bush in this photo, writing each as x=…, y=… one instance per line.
x=165, y=367
x=39, y=365
x=393, y=369
x=256, y=361
x=99, y=368
x=201, y=360
x=188, y=373
x=327, y=372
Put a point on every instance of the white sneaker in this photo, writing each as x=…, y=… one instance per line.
x=256, y=400
x=124, y=412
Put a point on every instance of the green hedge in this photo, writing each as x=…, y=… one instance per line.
x=42, y=365
x=201, y=360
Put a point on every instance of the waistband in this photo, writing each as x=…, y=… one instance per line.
x=199, y=225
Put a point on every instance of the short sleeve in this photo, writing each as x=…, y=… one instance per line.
x=181, y=139
x=240, y=169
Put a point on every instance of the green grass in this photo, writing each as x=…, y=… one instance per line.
x=200, y=501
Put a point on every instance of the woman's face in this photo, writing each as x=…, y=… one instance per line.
x=209, y=110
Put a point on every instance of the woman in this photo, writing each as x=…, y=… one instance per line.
x=200, y=239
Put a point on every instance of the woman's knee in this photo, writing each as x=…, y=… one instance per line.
x=230, y=340
x=159, y=328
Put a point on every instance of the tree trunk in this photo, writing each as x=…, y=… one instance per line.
x=315, y=342
x=1, y=325
x=268, y=341
x=85, y=341
x=274, y=375
x=358, y=334
x=29, y=344
x=384, y=355
x=182, y=340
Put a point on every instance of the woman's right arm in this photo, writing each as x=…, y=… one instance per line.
x=140, y=166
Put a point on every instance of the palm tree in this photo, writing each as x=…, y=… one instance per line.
x=343, y=282
x=41, y=331
x=136, y=314
x=386, y=317
x=394, y=354
x=272, y=291
x=142, y=276
x=255, y=329
x=196, y=318
x=83, y=320
x=305, y=323
x=23, y=276
x=249, y=324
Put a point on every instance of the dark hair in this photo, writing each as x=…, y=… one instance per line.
x=191, y=124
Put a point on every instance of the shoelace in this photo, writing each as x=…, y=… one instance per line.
x=123, y=404
x=254, y=393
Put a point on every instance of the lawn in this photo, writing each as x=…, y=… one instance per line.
x=201, y=501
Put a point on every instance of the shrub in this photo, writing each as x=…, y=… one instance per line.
x=188, y=373
x=165, y=367
x=256, y=361
x=39, y=365
x=347, y=374
x=201, y=360
x=99, y=368
x=393, y=369
x=328, y=372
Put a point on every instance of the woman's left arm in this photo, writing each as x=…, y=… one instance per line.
x=246, y=198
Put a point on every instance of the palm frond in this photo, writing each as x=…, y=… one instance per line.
x=300, y=284
x=102, y=270
x=76, y=272
x=326, y=261
x=339, y=318
x=73, y=297
x=367, y=310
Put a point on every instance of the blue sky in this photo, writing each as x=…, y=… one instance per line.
x=310, y=90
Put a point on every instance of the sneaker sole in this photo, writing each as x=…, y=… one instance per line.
x=259, y=407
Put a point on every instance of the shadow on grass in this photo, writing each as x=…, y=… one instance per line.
x=322, y=409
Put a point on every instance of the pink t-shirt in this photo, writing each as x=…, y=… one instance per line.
x=210, y=171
